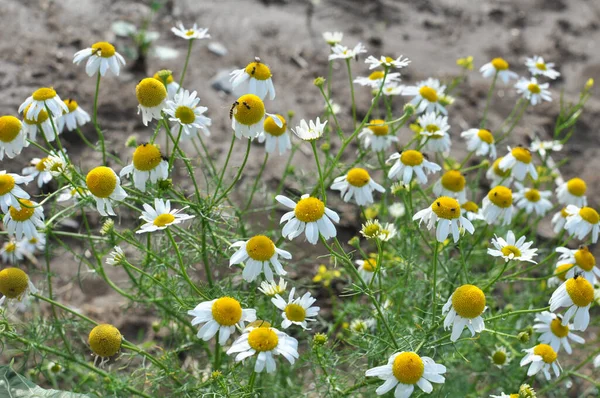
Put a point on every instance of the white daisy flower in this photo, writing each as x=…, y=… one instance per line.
x=277, y=138
x=434, y=132
x=12, y=251
x=102, y=56
x=554, y=333
x=342, y=52
x=57, y=164
x=13, y=137
x=581, y=262
x=267, y=342
x=582, y=221
x=464, y=309
x=147, y=165
x=116, y=256
x=387, y=62
x=255, y=79
x=333, y=38
x=166, y=78
x=10, y=191
x=576, y=294
x=512, y=249
x=185, y=112
x=446, y=213
x=39, y=170
x=376, y=79
x=358, y=184
x=272, y=288
x=543, y=147
x=367, y=269
x=39, y=100
x=392, y=89
x=75, y=117
x=404, y=370
x=310, y=216
x=541, y=357
x=73, y=193
x=310, y=131
x=452, y=184
x=409, y=162
x=572, y=192
x=497, y=176
x=472, y=211
x=503, y=395
x=427, y=95
x=533, y=91
x=397, y=210
x=151, y=94
x=259, y=253
x=247, y=116
x=42, y=122
x=498, y=66
x=161, y=216
x=296, y=311
x=500, y=357
x=14, y=285
x=560, y=274
x=388, y=231
x=104, y=185
x=33, y=245
x=532, y=200
x=221, y=316
x=537, y=67
x=497, y=206
x=193, y=33
x=518, y=160
x=481, y=141
x=559, y=219
x=362, y=326
x=25, y=221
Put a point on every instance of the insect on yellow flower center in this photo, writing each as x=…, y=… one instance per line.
x=533, y=195
x=561, y=271
x=370, y=265
x=453, y=180
x=42, y=116
x=501, y=196
x=71, y=104
x=377, y=75
x=576, y=186
x=295, y=312
x=26, y=212
x=590, y=215
x=470, y=206
x=260, y=248
x=546, y=352
x=227, y=311
x=510, y=249
x=358, y=177
x=541, y=66
x=103, y=49
x=248, y=109
x=585, y=259
x=468, y=301
x=446, y=207
x=408, y=368
x=150, y=92
x=9, y=128
x=101, y=181
x=558, y=329
x=411, y=157
x=580, y=291
x=534, y=88
x=168, y=80
x=379, y=128
x=485, y=136
x=13, y=282
x=7, y=183
x=498, y=171
x=146, y=157
x=259, y=323
x=258, y=70
x=43, y=94
x=185, y=114
x=499, y=357
x=105, y=340
x=309, y=210
x=163, y=220
x=263, y=339
x=272, y=128
x=522, y=155
x=499, y=64
x=428, y=93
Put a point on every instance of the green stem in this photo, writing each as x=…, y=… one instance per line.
x=351, y=92
x=185, y=65
x=175, y=148
x=95, y=120
x=321, y=181
x=512, y=313
x=434, y=290
x=260, y=172
x=238, y=175
x=488, y=100
x=220, y=181
x=182, y=267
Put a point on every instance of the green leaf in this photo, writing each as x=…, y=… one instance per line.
x=13, y=384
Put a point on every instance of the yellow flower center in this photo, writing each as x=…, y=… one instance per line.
x=370, y=265
x=453, y=181
x=42, y=116
x=7, y=183
x=260, y=248
x=446, y=207
x=379, y=128
x=105, y=340
x=499, y=64
x=499, y=357
x=103, y=49
x=372, y=230
x=510, y=249
x=541, y=66
x=43, y=94
x=563, y=212
x=101, y=181
x=514, y=395
x=558, y=329
x=546, y=352
x=309, y=210
x=411, y=157
x=533, y=195
x=389, y=60
x=71, y=104
x=10, y=247
x=295, y=312
x=432, y=128
x=580, y=291
x=150, y=92
x=185, y=114
x=41, y=165
x=408, y=368
x=498, y=171
x=561, y=271
x=590, y=215
x=263, y=339
x=468, y=301
x=376, y=75
x=272, y=128
x=258, y=70
x=227, y=311
x=189, y=33
x=358, y=177
x=470, y=206
x=522, y=155
x=259, y=323
x=164, y=219
x=146, y=157
x=26, y=212
x=13, y=282
x=485, y=136
x=168, y=80
x=534, y=88
x=428, y=93
x=501, y=197
x=585, y=259
x=9, y=128
x=249, y=109
x=576, y=186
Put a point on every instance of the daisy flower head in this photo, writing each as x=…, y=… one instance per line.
x=11, y=251
x=497, y=176
x=519, y=161
x=104, y=185
x=553, y=333
x=272, y=288
x=333, y=38
x=105, y=342
x=464, y=309
x=434, y=132
x=166, y=77
x=25, y=220
x=576, y=294
x=10, y=191
x=35, y=244
x=572, y=192
x=296, y=311
x=500, y=357
x=13, y=138
x=101, y=57
x=512, y=249
x=187, y=115
x=42, y=169
x=342, y=52
x=267, y=342
x=481, y=141
x=259, y=253
x=541, y=357
x=151, y=94
x=73, y=193
x=367, y=269
x=533, y=91
x=444, y=211
x=387, y=62
x=276, y=137
x=452, y=184
x=247, y=116
x=221, y=316
x=376, y=79
x=255, y=79
x=14, y=285
x=161, y=216
x=357, y=183
x=582, y=221
x=532, y=200
x=42, y=122
x=116, y=256
x=391, y=89
x=426, y=96
x=499, y=67
x=190, y=34
x=397, y=210
x=537, y=67
x=361, y=326
x=409, y=162
x=310, y=216
x=581, y=261
x=75, y=117
x=404, y=370
x=559, y=219
x=310, y=131
x=543, y=147
x=147, y=164
x=472, y=211
x=497, y=206
x=41, y=99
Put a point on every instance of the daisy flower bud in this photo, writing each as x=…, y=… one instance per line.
x=466, y=62
x=13, y=137
x=319, y=81
x=500, y=67
x=116, y=257
x=14, y=285
x=541, y=357
x=500, y=357
x=271, y=289
x=320, y=339
x=101, y=57
x=464, y=309
x=151, y=95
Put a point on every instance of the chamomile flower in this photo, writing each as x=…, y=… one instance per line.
x=397, y=210
x=75, y=117
x=101, y=57
x=166, y=77
x=426, y=96
x=452, y=184
x=39, y=170
x=358, y=184
x=25, y=221
x=255, y=79
x=497, y=176
x=367, y=269
x=572, y=192
x=559, y=219
x=391, y=89
x=116, y=256
x=221, y=316
x=537, y=67
x=533, y=91
x=481, y=141
x=497, y=206
x=72, y=193
x=472, y=211
x=267, y=342
x=105, y=342
x=13, y=138
x=342, y=52
x=582, y=262
x=543, y=147
x=11, y=251
x=444, y=211
x=498, y=66
x=14, y=285
x=519, y=161
x=277, y=138
x=193, y=33
x=296, y=311
x=259, y=253
x=310, y=216
x=388, y=62
x=560, y=274
x=361, y=326
x=161, y=216
x=152, y=96
x=541, y=357
x=333, y=38
x=576, y=294
x=409, y=162
x=532, y=200
x=500, y=357
x=187, y=115
x=376, y=79
x=272, y=288
x=464, y=309
x=147, y=165
x=512, y=249
x=10, y=191
x=248, y=114
x=434, y=132
x=582, y=221
x=42, y=122
x=310, y=131
x=33, y=245
x=404, y=370
x=554, y=333
x=39, y=100
x=104, y=185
